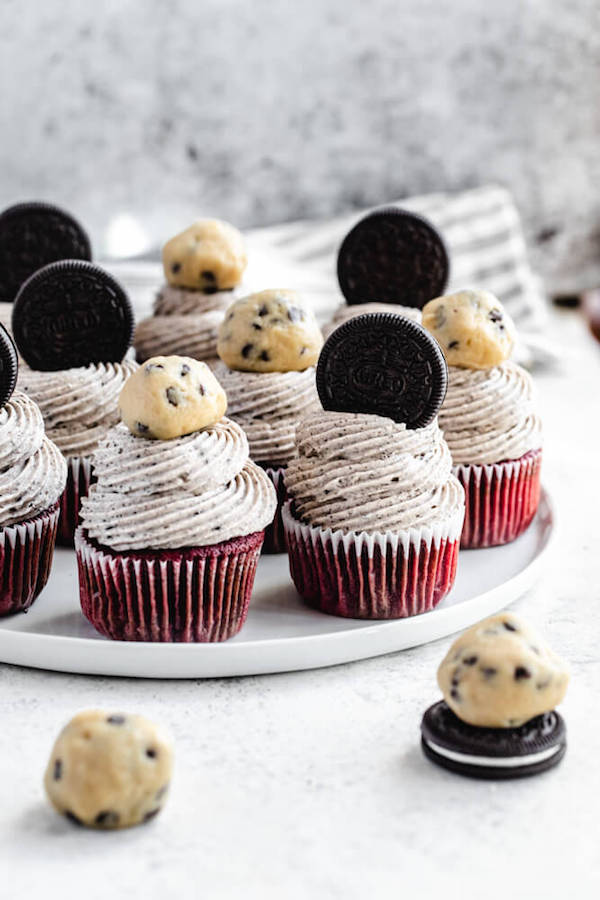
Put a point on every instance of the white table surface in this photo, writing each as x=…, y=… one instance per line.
x=313, y=784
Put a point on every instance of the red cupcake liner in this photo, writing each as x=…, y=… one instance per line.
x=26, y=552
x=275, y=532
x=501, y=499
x=193, y=594
x=372, y=576
x=79, y=479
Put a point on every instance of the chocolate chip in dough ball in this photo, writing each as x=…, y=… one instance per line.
x=109, y=770
x=271, y=331
x=472, y=328
x=208, y=256
x=169, y=396
x=501, y=673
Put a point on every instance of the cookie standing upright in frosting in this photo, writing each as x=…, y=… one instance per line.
x=489, y=417
x=176, y=493
x=500, y=682
x=204, y=266
x=73, y=325
x=269, y=343
x=33, y=474
x=375, y=515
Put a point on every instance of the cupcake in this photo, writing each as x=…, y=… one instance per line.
x=203, y=268
x=500, y=682
x=73, y=326
x=269, y=344
x=375, y=515
x=392, y=261
x=33, y=477
x=488, y=417
x=173, y=527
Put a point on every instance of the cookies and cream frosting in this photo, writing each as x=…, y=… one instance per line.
x=177, y=301
x=268, y=406
x=33, y=472
x=196, y=490
x=78, y=405
x=489, y=416
x=360, y=472
x=181, y=335
x=344, y=313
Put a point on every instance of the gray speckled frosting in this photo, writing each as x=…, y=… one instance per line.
x=192, y=491
x=33, y=471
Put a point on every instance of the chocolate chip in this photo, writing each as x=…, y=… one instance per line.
x=201, y=390
x=470, y=660
x=495, y=315
x=509, y=626
x=151, y=367
x=72, y=817
x=141, y=428
x=151, y=752
x=542, y=685
x=185, y=370
x=454, y=694
x=452, y=345
x=175, y=267
x=455, y=682
x=295, y=314
x=246, y=350
x=521, y=672
x=488, y=671
x=57, y=769
x=264, y=310
x=303, y=351
x=211, y=289
x=256, y=326
x=116, y=719
x=173, y=396
x=208, y=275
x=151, y=814
x=108, y=818
x=264, y=356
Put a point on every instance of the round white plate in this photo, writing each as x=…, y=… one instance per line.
x=281, y=633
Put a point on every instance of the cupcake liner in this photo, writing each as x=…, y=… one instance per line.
x=373, y=576
x=275, y=533
x=26, y=552
x=79, y=479
x=193, y=594
x=501, y=499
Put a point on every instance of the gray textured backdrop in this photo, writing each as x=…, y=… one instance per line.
x=264, y=111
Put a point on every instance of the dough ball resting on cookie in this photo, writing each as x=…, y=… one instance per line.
x=472, y=327
x=501, y=673
x=271, y=331
x=109, y=770
x=209, y=256
x=170, y=396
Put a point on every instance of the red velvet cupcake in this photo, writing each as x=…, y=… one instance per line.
x=173, y=527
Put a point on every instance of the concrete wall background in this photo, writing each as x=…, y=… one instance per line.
x=265, y=110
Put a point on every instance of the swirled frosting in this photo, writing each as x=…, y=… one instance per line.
x=359, y=472
x=175, y=301
x=193, y=491
x=488, y=415
x=33, y=471
x=192, y=335
x=78, y=405
x=344, y=313
x=268, y=406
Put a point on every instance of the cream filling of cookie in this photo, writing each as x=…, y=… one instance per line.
x=175, y=301
x=359, y=472
x=78, y=405
x=197, y=490
x=268, y=406
x=177, y=335
x=33, y=472
x=344, y=313
x=489, y=415
x=499, y=762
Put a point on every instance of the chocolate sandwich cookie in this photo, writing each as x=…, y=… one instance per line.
x=393, y=256
x=492, y=753
x=386, y=365
x=8, y=366
x=33, y=235
x=71, y=314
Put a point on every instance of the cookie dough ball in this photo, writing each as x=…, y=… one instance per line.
x=208, y=256
x=269, y=332
x=109, y=770
x=170, y=396
x=472, y=328
x=501, y=673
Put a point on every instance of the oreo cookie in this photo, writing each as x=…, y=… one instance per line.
x=492, y=753
x=384, y=364
x=33, y=235
x=70, y=314
x=9, y=366
x=393, y=256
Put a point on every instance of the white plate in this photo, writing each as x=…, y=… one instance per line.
x=281, y=634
